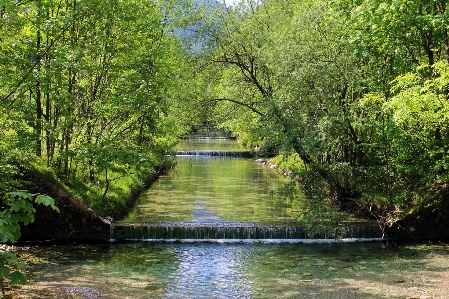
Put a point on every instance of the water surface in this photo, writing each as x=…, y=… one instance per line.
x=222, y=191
x=256, y=271
x=216, y=189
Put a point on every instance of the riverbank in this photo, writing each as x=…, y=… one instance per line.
x=80, y=219
x=423, y=223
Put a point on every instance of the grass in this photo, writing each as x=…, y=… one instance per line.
x=121, y=192
x=122, y=188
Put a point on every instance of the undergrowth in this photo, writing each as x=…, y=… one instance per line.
x=102, y=199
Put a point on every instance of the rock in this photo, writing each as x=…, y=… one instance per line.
x=107, y=220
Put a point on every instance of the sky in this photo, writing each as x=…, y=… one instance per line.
x=231, y=2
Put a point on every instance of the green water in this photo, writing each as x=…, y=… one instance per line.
x=152, y=270
x=237, y=190
x=204, y=188
x=209, y=144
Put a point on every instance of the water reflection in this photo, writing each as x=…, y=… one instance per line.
x=202, y=213
x=203, y=188
x=257, y=271
x=217, y=272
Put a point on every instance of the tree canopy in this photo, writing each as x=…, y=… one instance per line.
x=358, y=90
x=88, y=87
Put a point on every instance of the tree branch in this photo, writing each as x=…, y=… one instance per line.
x=241, y=104
x=38, y=60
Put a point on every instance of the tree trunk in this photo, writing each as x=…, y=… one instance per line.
x=446, y=45
x=38, y=101
x=140, y=139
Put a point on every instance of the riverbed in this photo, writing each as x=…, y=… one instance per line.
x=212, y=270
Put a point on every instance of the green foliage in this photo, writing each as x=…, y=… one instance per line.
x=99, y=91
x=18, y=210
x=91, y=89
x=421, y=102
x=420, y=112
x=314, y=78
x=6, y=260
x=290, y=162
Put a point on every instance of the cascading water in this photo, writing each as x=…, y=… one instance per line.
x=233, y=200
x=218, y=193
x=213, y=153
x=239, y=232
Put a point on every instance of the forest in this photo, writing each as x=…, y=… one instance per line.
x=350, y=96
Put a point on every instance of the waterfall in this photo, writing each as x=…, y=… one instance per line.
x=219, y=167
x=239, y=232
x=212, y=153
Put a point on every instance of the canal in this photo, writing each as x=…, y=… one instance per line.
x=216, y=184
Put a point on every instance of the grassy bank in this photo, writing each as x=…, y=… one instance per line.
x=82, y=205
x=106, y=196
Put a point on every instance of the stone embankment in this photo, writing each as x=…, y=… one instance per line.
x=268, y=163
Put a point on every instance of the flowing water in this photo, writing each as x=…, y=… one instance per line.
x=219, y=212
x=217, y=193
x=257, y=271
x=213, y=182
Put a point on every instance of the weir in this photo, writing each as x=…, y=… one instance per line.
x=214, y=153
x=239, y=232
x=224, y=199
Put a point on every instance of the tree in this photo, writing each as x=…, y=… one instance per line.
x=286, y=64
x=314, y=78
x=91, y=85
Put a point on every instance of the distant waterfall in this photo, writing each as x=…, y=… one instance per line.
x=213, y=153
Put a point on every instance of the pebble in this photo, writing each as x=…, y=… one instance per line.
x=7, y=248
x=84, y=292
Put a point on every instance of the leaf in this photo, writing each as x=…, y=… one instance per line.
x=22, y=194
x=18, y=205
x=27, y=219
x=7, y=236
x=4, y=271
x=47, y=201
x=17, y=277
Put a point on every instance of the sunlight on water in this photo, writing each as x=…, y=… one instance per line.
x=144, y=270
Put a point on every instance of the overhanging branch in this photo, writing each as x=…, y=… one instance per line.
x=242, y=104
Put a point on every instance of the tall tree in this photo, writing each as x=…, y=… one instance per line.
x=91, y=85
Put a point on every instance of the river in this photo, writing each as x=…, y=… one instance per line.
x=225, y=189
x=234, y=270
x=213, y=181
